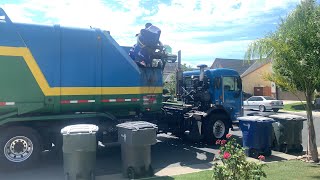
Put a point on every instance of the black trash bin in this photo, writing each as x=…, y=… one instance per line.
x=136, y=139
x=256, y=135
x=288, y=132
x=79, y=151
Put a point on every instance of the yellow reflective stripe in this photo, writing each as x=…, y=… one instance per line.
x=56, y=91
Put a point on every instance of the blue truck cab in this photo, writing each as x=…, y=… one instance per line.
x=208, y=104
x=223, y=88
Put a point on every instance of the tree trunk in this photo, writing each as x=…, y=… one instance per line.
x=311, y=132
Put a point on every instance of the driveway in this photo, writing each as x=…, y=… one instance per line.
x=168, y=152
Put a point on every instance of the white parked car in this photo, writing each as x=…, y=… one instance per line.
x=263, y=103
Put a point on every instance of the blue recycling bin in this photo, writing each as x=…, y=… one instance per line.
x=256, y=135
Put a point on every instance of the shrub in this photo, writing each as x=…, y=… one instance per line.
x=234, y=164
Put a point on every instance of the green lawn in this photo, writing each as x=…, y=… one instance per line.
x=294, y=107
x=286, y=170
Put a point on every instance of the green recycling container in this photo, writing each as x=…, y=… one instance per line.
x=79, y=151
x=136, y=138
x=287, y=132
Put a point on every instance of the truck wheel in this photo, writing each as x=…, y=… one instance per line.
x=216, y=128
x=19, y=148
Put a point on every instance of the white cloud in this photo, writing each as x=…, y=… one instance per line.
x=196, y=54
x=18, y=13
x=184, y=24
x=183, y=14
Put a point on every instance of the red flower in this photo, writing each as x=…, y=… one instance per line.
x=262, y=158
x=226, y=155
x=223, y=142
x=228, y=136
x=218, y=141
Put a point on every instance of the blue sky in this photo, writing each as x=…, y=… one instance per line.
x=202, y=29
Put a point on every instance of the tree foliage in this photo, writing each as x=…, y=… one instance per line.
x=295, y=52
x=171, y=85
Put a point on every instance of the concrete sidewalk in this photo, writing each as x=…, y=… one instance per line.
x=178, y=170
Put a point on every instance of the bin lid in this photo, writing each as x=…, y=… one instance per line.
x=137, y=125
x=256, y=119
x=80, y=128
x=288, y=117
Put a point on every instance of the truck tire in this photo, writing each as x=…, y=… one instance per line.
x=217, y=127
x=19, y=148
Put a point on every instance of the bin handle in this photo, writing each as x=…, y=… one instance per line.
x=90, y=129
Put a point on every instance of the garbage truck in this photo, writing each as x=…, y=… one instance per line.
x=52, y=76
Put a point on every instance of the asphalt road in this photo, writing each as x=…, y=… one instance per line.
x=169, y=151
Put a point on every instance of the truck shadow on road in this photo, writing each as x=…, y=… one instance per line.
x=168, y=152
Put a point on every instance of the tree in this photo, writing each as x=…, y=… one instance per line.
x=171, y=85
x=294, y=48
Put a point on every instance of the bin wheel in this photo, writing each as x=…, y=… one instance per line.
x=150, y=171
x=284, y=148
x=268, y=152
x=253, y=153
x=262, y=108
x=66, y=176
x=93, y=176
x=299, y=149
x=131, y=173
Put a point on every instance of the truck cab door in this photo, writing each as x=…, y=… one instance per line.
x=232, y=95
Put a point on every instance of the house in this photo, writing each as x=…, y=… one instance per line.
x=237, y=64
x=253, y=79
x=169, y=71
x=253, y=82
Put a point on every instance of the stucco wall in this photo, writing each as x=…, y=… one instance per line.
x=285, y=95
x=255, y=79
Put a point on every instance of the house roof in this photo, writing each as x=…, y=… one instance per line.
x=237, y=64
x=168, y=77
x=170, y=67
x=169, y=71
x=255, y=66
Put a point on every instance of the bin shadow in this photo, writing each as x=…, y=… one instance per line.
x=161, y=178
x=276, y=156
x=273, y=158
x=168, y=152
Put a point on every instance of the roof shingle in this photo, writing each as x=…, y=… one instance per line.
x=255, y=66
x=237, y=64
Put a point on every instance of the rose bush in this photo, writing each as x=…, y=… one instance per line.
x=234, y=164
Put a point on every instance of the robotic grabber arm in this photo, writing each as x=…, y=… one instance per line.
x=149, y=48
